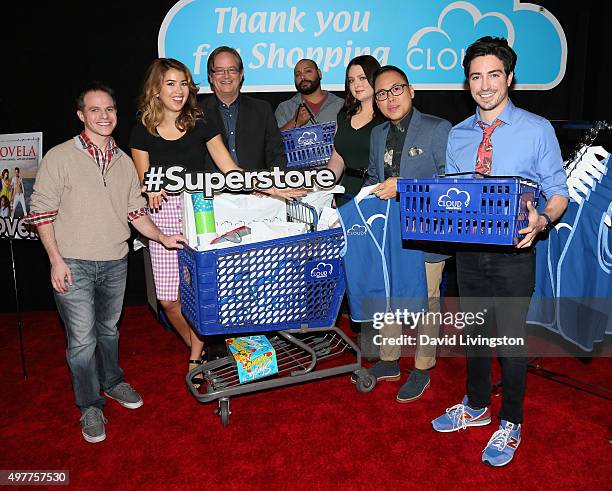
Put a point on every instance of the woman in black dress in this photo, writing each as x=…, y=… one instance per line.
x=349, y=159
x=172, y=130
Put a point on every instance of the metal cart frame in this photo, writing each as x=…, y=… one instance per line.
x=301, y=354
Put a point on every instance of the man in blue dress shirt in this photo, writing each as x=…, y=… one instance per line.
x=500, y=139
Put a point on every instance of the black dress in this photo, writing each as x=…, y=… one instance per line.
x=189, y=151
x=353, y=145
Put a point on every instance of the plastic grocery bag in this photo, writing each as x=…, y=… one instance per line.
x=329, y=219
x=260, y=232
x=322, y=198
x=233, y=211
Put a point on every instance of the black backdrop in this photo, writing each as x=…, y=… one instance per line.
x=51, y=49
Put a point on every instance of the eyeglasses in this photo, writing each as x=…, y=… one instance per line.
x=226, y=71
x=396, y=90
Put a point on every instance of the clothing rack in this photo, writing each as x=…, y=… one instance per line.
x=589, y=137
x=592, y=131
x=567, y=380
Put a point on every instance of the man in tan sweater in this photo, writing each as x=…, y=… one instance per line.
x=85, y=194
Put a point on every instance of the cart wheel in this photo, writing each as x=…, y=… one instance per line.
x=224, y=411
x=366, y=383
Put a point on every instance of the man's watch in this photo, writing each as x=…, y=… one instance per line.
x=549, y=222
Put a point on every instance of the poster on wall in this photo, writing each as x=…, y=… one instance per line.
x=426, y=39
x=20, y=155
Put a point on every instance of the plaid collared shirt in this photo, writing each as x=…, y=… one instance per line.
x=101, y=157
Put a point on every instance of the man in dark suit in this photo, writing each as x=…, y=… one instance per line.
x=248, y=128
x=248, y=125
x=411, y=144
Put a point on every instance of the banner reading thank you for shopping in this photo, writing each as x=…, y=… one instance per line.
x=425, y=38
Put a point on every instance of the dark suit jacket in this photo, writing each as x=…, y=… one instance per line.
x=258, y=139
x=426, y=132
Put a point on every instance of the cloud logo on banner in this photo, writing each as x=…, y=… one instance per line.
x=323, y=270
x=440, y=49
x=357, y=230
x=429, y=44
x=307, y=138
x=476, y=15
x=453, y=200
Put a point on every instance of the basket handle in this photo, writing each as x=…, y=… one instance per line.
x=467, y=173
x=312, y=118
x=485, y=176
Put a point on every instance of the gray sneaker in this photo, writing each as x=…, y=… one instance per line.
x=417, y=382
x=125, y=395
x=92, y=424
x=382, y=370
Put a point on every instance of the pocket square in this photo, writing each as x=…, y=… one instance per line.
x=415, y=151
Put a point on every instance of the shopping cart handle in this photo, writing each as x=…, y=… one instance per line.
x=298, y=211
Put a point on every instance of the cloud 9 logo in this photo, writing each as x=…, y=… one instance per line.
x=357, y=230
x=307, y=138
x=322, y=270
x=454, y=199
x=435, y=52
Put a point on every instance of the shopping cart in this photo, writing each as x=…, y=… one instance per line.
x=291, y=287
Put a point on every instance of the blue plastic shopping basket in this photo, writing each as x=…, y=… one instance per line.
x=309, y=146
x=483, y=210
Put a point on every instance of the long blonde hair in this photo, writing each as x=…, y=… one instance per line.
x=151, y=109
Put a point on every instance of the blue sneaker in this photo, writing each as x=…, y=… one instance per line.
x=502, y=445
x=460, y=416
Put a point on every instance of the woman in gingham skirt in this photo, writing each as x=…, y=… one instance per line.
x=172, y=131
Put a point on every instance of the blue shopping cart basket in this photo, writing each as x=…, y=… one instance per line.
x=287, y=283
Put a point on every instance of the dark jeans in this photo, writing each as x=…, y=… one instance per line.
x=500, y=284
x=90, y=310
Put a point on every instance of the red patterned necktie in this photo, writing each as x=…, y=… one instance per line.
x=485, y=149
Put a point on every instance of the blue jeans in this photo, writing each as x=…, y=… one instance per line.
x=90, y=310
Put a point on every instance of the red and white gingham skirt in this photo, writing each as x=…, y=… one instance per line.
x=169, y=219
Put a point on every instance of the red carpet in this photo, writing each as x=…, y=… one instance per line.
x=311, y=436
